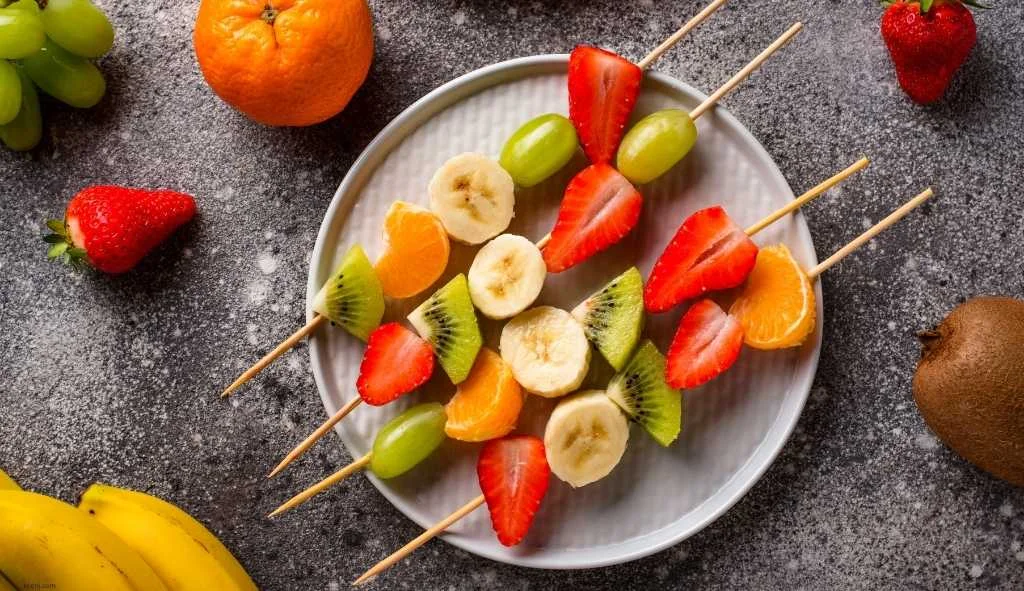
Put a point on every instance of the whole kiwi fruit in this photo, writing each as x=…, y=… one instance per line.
x=969, y=384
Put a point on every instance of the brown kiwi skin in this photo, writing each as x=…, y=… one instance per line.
x=969, y=384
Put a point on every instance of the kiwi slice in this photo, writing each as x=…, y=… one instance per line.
x=613, y=317
x=640, y=390
x=352, y=296
x=448, y=321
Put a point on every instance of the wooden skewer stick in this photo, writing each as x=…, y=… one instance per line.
x=667, y=44
x=746, y=71
x=873, y=231
x=316, y=435
x=321, y=486
x=802, y=200
x=277, y=352
x=420, y=540
x=729, y=85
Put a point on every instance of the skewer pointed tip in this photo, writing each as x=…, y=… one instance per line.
x=361, y=580
x=277, y=469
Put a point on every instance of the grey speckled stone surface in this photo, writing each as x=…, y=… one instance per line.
x=115, y=379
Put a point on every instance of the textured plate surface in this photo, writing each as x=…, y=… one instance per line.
x=733, y=427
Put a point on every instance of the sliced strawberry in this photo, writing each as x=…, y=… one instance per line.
x=599, y=207
x=396, y=362
x=707, y=343
x=513, y=473
x=709, y=252
x=602, y=92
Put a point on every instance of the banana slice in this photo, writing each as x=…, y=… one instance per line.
x=547, y=351
x=585, y=438
x=506, y=276
x=474, y=197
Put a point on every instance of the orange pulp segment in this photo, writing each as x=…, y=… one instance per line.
x=486, y=405
x=776, y=307
x=416, y=253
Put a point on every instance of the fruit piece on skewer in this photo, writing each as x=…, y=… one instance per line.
x=585, y=437
x=598, y=209
x=514, y=476
x=709, y=252
x=706, y=344
x=547, y=351
x=603, y=88
x=506, y=276
x=613, y=317
x=7, y=483
x=395, y=362
x=655, y=144
x=416, y=251
x=777, y=307
x=447, y=321
x=352, y=296
x=539, y=149
x=641, y=392
x=473, y=196
x=487, y=404
x=399, y=446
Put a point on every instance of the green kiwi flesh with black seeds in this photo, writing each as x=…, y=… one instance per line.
x=641, y=392
x=613, y=317
x=447, y=320
x=352, y=296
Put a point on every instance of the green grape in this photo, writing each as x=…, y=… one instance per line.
x=10, y=92
x=65, y=76
x=655, y=144
x=26, y=130
x=407, y=440
x=539, y=149
x=78, y=26
x=21, y=33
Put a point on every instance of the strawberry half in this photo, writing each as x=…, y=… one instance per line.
x=602, y=92
x=112, y=228
x=396, y=362
x=709, y=252
x=514, y=474
x=707, y=342
x=599, y=208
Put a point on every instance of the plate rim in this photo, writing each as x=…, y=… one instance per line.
x=790, y=411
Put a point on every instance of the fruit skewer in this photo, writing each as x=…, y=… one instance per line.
x=775, y=310
x=793, y=205
x=319, y=318
x=810, y=275
x=568, y=244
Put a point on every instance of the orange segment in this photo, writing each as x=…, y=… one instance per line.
x=486, y=405
x=417, y=250
x=776, y=307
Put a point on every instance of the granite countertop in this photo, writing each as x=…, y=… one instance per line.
x=116, y=379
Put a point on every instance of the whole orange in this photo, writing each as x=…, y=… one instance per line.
x=285, y=62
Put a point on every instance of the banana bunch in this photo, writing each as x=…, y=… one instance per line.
x=114, y=540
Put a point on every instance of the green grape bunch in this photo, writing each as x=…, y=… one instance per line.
x=47, y=45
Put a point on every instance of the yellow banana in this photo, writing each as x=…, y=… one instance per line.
x=6, y=584
x=48, y=544
x=7, y=483
x=183, y=552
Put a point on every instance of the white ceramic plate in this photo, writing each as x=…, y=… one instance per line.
x=733, y=427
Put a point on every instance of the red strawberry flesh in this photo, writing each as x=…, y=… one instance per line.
x=707, y=343
x=709, y=252
x=396, y=362
x=514, y=475
x=117, y=226
x=602, y=92
x=599, y=208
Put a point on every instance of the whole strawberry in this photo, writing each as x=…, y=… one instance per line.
x=112, y=228
x=928, y=41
